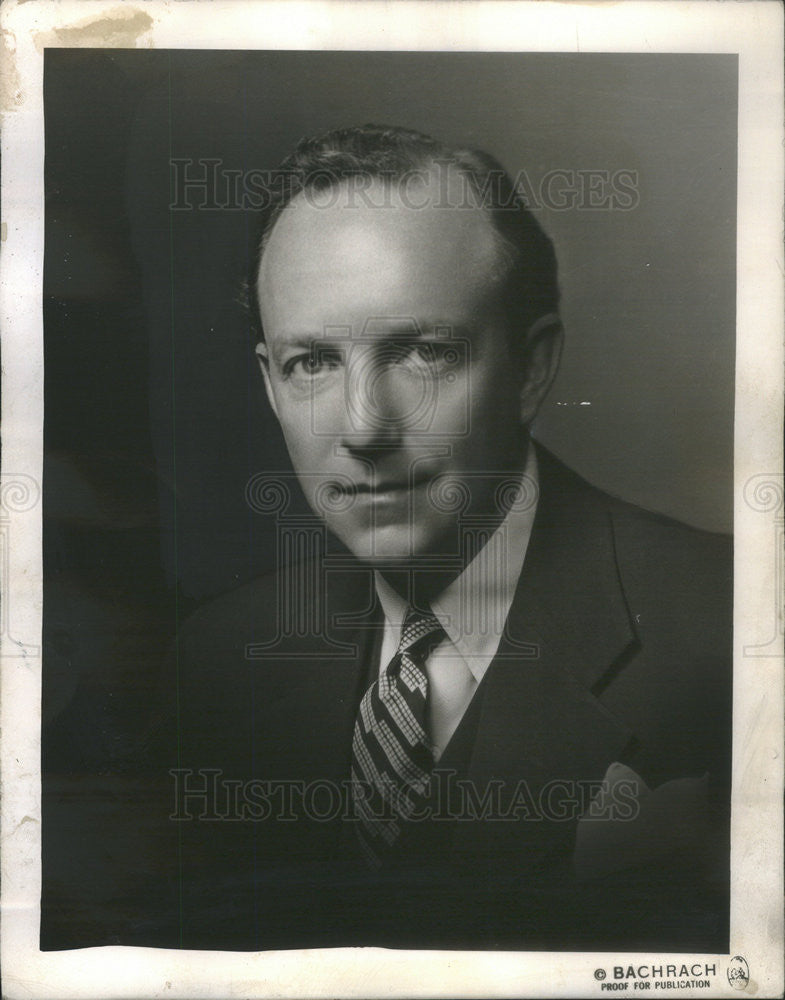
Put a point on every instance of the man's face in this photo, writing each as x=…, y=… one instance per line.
x=387, y=362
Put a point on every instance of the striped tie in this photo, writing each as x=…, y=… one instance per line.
x=391, y=753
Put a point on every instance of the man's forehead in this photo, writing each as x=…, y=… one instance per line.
x=423, y=212
x=346, y=262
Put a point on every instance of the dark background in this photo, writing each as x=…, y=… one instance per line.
x=155, y=417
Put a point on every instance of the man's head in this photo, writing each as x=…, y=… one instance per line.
x=408, y=333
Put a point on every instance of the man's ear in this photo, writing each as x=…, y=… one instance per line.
x=263, y=357
x=541, y=356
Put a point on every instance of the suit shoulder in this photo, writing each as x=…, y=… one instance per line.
x=677, y=574
x=642, y=537
x=293, y=603
x=235, y=608
x=648, y=542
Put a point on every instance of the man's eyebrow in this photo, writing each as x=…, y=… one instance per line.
x=437, y=329
x=434, y=329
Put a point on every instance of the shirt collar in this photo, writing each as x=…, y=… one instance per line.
x=473, y=609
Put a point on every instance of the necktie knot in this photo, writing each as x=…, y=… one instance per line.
x=420, y=632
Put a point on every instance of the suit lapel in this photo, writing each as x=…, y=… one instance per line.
x=542, y=731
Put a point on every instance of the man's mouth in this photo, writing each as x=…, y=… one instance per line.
x=382, y=490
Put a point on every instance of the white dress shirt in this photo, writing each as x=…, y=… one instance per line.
x=472, y=610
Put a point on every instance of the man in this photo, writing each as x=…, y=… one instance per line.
x=496, y=714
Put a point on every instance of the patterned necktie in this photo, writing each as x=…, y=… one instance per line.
x=392, y=756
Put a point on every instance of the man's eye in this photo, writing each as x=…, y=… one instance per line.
x=430, y=353
x=313, y=363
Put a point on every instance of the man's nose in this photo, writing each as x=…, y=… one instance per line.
x=373, y=421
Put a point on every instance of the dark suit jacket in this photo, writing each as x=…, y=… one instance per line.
x=617, y=651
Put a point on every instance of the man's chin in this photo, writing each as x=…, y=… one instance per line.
x=400, y=547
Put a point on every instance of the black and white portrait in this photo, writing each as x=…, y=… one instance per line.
x=397, y=499
x=380, y=652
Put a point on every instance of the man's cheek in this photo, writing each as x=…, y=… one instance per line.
x=450, y=416
x=303, y=445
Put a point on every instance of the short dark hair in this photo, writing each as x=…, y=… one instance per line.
x=390, y=153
